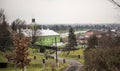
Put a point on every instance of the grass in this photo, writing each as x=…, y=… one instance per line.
x=35, y=65
x=2, y=56
x=74, y=55
x=38, y=66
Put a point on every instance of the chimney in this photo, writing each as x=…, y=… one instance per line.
x=33, y=20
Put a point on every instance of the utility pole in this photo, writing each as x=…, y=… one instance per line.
x=56, y=50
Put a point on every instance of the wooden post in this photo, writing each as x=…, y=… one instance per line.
x=43, y=63
x=56, y=50
x=34, y=57
x=46, y=57
x=79, y=56
x=64, y=61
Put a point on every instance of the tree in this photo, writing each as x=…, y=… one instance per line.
x=33, y=32
x=5, y=33
x=20, y=54
x=116, y=2
x=92, y=41
x=17, y=25
x=71, y=40
x=106, y=41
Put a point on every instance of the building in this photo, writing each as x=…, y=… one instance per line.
x=95, y=32
x=44, y=36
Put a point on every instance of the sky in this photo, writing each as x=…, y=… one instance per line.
x=61, y=11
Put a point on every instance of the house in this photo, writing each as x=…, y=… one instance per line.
x=44, y=36
x=82, y=39
x=95, y=32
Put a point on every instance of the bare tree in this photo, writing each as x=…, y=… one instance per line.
x=33, y=32
x=17, y=25
x=116, y=2
x=2, y=15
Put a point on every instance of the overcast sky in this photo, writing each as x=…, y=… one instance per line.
x=61, y=11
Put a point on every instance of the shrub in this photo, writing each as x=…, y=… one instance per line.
x=42, y=49
x=102, y=59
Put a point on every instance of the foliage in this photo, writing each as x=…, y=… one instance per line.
x=92, y=41
x=20, y=55
x=71, y=40
x=2, y=56
x=5, y=35
x=102, y=59
x=35, y=65
x=42, y=49
x=106, y=57
x=106, y=41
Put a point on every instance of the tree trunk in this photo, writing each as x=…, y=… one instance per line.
x=24, y=69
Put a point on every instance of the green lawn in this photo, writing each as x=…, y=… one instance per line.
x=38, y=66
x=2, y=56
x=35, y=65
x=74, y=55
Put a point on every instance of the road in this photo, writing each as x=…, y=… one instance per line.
x=74, y=64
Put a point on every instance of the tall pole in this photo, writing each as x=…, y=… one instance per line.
x=56, y=50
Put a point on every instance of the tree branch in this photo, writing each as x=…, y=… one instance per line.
x=116, y=3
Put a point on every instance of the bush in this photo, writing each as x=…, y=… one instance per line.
x=102, y=59
x=42, y=49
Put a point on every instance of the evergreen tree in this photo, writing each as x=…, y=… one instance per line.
x=71, y=40
x=5, y=34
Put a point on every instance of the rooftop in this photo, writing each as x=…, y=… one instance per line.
x=43, y=32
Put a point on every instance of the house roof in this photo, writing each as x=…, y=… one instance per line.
x=48, y=32
x=43, y=32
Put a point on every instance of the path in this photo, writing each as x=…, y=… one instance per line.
x=74, y=64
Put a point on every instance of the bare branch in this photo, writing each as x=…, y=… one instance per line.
x=115, y=2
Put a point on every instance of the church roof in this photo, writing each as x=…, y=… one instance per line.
x=43, y=32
